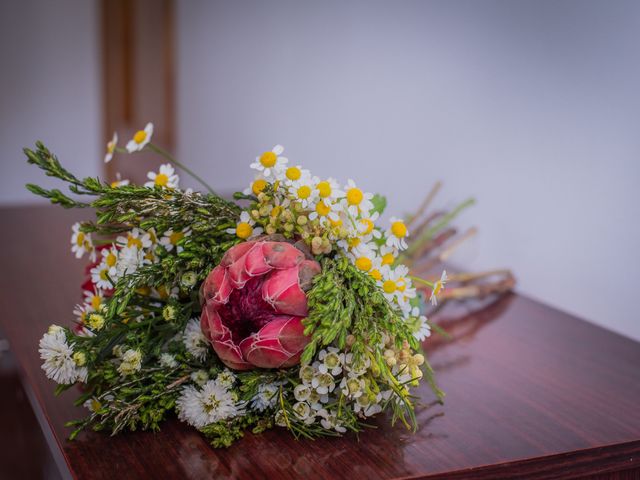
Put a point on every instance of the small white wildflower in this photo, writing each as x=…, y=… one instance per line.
x=57, y=354
x=131, y=362
x=168, y=361
x=140, y=139
x=266, y=396
x=194, y=340
x=200, y=377
x=209, y=405
x=226, y=378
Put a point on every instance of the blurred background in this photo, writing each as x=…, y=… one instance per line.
x=531, y=107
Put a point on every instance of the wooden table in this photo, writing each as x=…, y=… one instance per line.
x=531, y=392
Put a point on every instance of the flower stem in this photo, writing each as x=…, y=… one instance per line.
x=422, y=280
x=169, y=157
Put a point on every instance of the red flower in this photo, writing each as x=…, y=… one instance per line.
x=255, y=303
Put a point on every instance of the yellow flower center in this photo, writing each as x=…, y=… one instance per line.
x=268, y=159
x=103, y=274
x=134, y=242
x=175, y=237
x=389, y=286
x=336, y=223
x=111, y=146
x=387, y=259
x=368, y=223
x=375, y=273
x=322, y=209
x=110, y=259
x=437, y=287
x=402, y=284
x=115, y=184
x=354, y=196
x=304, y=192
x=293, y=173
x=399, y=229
x=353, y=242
x=140, y=136
x=244, y=230
x=324, y=189
x=149, y=256
x=80, y=239
x=96, y=301
x=161, y=179
x=364, y=264
x=258, y=186
x=276, y=211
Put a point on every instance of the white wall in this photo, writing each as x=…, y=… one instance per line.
x=49, y=89
x=531, y=106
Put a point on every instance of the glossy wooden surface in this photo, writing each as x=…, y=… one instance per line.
x=531, y=392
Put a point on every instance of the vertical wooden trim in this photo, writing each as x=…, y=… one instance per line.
x=138, y=51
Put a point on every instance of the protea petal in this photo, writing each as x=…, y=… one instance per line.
x=255, y=263
x=282, y=291
x=217, y=287
x=281, y=254
x=235, y=253
x=237, y=272
x=231, y=355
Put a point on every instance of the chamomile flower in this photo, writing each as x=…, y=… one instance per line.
x=329, y=190
x=388, y=254
x=140, y=139
x=135, y=238
x=367, y=226
x=119, y=182
x=165, y=178
x=111, y=148
x=168, y=361
x=302, y=191
x=129, y=260
x=325, y=213
x=94, y=299
x=256, y=187
x=269, y=162
x=102, y=274
x=420, y=327
x=211, y=404
x=438, y=286
x=81, y=242
x=194, y=340
x=357, y=202
x=245, y=228
x=364, y=259
x=170, y=239
x=397, y=233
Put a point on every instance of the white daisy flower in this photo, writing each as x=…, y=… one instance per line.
x=199, y=377
x=111, y=148
x=119, y=182
x=364, y=259
x=367, y=226
x=437, y=288
x=102, y=275
x=245, y=227
x=213, y=403
x=140, y=139
x=93, y=299
x=303, y=192
x=165, y=178
x=325, y=213
x=266, y=397
x=81, y=242
x=422, y=330
x=388, y=254
x=194, y=340
x=270, y=161
x=293, y=175
x=329, y=190
x=57, y=354
x=397, y=233
x=129, y=260
x=135, y=238
x=256, y=187
x=357, y=202
x=170, y=239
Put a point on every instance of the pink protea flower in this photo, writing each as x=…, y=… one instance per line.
x=254, y=303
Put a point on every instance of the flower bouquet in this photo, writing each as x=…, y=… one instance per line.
x=289, y=306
